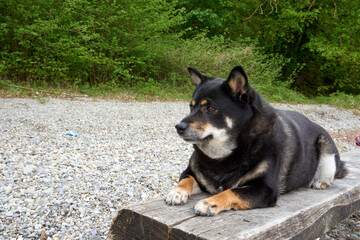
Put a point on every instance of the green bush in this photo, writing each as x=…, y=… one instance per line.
x=78, y=42
x=312, y=46
x=217, y=56
x=320, y=38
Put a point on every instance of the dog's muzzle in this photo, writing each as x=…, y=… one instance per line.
x=184, y=130
x=181, y=128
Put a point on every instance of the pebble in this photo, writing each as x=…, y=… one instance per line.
x=29, y=169
x=125, y=153
x=8, y=189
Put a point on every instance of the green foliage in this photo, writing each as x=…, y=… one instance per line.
x=145, y=46
x=339, y=99
x=77, y=42
x=217, y=56
x=202, y=15
x=320, y=37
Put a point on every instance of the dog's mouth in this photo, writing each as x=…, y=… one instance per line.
x=207, y=138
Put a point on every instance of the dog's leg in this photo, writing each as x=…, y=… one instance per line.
x=240, y=198
x=330, y=166
x=325, y=172
x=180, y=194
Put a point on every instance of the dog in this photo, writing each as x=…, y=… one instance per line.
x=247, y=153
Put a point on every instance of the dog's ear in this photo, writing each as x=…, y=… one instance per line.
x=195, y=75
x=237, y=81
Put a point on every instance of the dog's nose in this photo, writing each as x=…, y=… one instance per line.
x=181, y=128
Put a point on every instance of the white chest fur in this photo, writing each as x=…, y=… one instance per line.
x=217, y=148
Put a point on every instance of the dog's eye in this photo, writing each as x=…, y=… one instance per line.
x=210, y=108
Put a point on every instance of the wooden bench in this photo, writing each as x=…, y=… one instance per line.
x=302, y=214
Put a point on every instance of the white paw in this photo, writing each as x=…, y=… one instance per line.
x=176, y=197
x=204, y=208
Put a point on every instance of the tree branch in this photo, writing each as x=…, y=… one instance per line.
x=247, y=18
x=311, y=5
x=335, y=8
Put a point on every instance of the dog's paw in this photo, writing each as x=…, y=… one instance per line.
x=319, y=185
x=206, y=207
x=177, y=197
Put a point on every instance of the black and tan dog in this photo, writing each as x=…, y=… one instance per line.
x=246, y=152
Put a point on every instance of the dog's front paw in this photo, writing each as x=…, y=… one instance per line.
x=177, y=197
x=206, y=207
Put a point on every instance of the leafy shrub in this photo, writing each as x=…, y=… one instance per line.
x=77, y=42
x=321, y=38
x=217, y=56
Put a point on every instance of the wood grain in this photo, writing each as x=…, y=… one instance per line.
x=302, y=214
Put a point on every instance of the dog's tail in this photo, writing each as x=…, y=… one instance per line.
x=341, y=170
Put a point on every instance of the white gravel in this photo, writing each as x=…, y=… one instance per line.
x=328, y=117
x=124, y=153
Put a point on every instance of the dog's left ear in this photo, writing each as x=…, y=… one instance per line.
x=237, y=81
x=195, y=75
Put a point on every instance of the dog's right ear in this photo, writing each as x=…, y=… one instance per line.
x=195, y=75
x=237, y=81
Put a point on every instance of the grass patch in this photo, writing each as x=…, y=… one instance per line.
x=164, y=91
x=139, y=92
x=340, y=100
x=279, y=93
x=170, y=80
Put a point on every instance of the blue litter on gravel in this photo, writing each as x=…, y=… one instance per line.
x=71, y=134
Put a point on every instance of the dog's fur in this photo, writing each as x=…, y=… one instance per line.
x=246, y=152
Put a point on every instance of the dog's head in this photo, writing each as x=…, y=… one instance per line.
x=219, y=110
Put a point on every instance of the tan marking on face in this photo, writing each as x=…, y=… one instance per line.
x=200, y=126
x=204, y=102
x=193, y=102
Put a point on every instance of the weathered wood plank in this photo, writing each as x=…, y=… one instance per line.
x=302, y=214
x=137, y=221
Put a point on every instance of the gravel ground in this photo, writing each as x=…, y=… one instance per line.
x=71, y=187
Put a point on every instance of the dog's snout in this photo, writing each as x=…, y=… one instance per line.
x=181, y=127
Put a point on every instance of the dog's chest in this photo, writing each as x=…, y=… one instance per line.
x=209, y=185
x=217, y=148
x=215, y=183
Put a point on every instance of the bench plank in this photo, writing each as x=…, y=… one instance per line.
x=302, y=214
